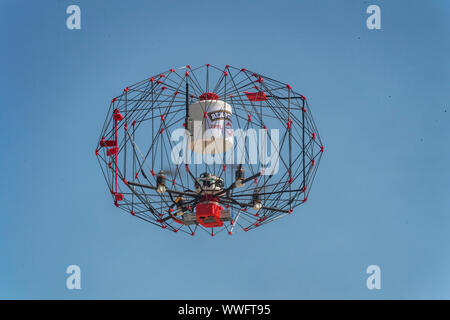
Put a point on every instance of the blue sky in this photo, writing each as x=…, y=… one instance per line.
x=380, y=99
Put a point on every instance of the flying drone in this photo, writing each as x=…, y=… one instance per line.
x=209, y=148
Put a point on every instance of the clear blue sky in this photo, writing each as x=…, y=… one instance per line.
x=381, y=100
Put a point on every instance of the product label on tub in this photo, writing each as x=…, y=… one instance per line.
x=219, y=115
x=217, y=118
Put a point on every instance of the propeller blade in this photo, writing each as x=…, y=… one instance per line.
x=169, y=172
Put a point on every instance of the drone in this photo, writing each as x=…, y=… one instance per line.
x=218, y=149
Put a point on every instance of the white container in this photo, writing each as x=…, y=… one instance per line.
x=211, y=126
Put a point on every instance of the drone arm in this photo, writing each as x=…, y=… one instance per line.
x=231, y=200
x=251, y=178
x=168, y=190
x=233, y=185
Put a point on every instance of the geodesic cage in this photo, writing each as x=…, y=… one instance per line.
x=208, y=148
